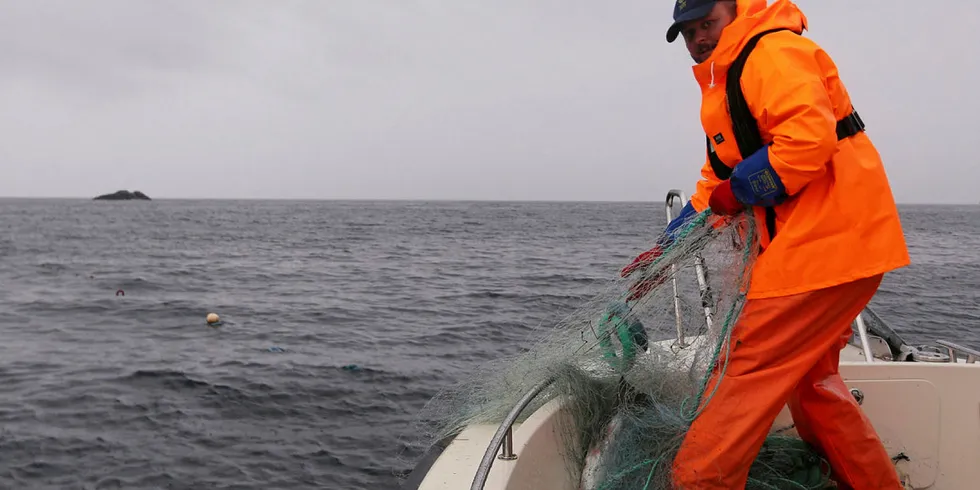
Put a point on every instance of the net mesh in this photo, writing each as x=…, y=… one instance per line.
x=628, y=384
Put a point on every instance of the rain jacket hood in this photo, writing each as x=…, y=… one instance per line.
x=752, y=17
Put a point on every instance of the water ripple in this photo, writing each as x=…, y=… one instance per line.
x=341, y=320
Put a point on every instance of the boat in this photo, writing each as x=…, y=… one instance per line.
x=923, y=400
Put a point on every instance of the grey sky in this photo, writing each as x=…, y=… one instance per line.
x=440, y=99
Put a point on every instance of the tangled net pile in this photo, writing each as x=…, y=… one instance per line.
x=629, y=385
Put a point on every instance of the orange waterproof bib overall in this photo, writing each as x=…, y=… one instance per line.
x=787, y=349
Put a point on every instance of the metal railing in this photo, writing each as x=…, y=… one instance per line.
x=505, y=436
x=972, y=355
x=863, y=334
x=503, y=439
x=700, y=270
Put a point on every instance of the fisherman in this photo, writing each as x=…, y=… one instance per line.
x=784, y=143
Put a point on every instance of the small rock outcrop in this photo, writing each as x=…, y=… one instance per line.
x=123, y=196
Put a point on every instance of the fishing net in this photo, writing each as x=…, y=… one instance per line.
x=631, y=374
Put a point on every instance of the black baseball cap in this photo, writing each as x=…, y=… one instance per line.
x=687, y=10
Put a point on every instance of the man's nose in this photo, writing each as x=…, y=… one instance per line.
x=700, y=36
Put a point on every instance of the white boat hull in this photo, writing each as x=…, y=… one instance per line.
x=927, y=414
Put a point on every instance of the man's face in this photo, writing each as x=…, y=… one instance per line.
x=701, y=35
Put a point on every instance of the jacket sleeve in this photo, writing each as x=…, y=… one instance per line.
x=785, y=89
x=704, y=186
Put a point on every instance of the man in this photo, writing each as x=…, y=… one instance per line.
x=829, y=230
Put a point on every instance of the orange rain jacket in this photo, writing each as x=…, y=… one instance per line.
x=840, y=222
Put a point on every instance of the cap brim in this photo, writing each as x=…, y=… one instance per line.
x=688, y=16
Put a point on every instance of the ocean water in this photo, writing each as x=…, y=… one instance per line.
x=109, y=377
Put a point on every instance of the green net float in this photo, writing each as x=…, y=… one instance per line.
x=620, y=337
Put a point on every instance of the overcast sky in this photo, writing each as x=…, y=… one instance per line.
x=435, y=99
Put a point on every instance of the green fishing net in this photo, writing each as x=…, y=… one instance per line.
x=632, y=375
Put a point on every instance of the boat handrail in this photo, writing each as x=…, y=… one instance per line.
x=880, y=328
x=972, y=355
x=700, y=270
x=504, y=435
x=863, y=335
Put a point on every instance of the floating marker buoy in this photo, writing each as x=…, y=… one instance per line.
x=120, y=292
x=213, y=319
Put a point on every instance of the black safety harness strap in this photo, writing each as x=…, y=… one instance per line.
x=746, y=128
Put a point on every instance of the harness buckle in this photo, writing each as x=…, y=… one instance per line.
x=850, y=125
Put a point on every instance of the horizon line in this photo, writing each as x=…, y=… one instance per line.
x=420, y=199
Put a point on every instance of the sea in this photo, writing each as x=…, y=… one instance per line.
x=339, y=321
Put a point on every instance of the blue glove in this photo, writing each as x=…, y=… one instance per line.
x=755, y=183
x=675, y=225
